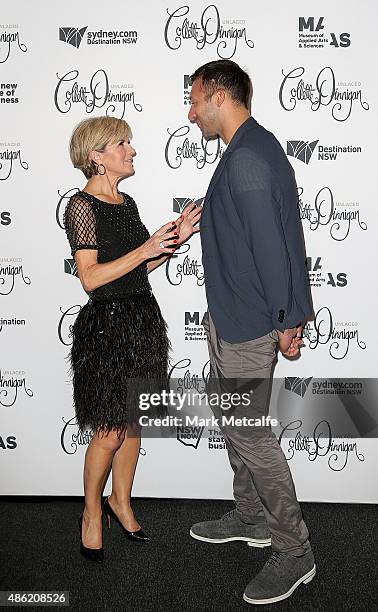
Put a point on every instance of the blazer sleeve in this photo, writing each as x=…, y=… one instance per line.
x=273, y=236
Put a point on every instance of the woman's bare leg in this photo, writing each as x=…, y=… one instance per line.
x=98, y=459
x=123, y=470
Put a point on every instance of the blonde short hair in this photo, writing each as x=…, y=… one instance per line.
x=93, y=135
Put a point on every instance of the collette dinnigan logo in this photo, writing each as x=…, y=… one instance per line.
x=12, y=274
x=180, y=147
x=180, y=265
x=66, y=321
x=339, y=336
x=113, y=98
x=303, y=150
x=339, y=217
x=339, y=96
x=75, y=36
x=12, y=384
x=10, y=39
x=10, y=155
x=209, y=29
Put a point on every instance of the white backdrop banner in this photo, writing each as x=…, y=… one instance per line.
x=314, y=77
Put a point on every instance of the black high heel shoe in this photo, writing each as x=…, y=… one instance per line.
x=135, y=536
x=93, y=554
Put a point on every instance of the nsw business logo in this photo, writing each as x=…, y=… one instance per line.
x=303, y=150
x=312, y=34
x=10, y=39
x=75, y=36
x=341, y=218
x=12, y=274
x=323, y=90
x=98, y=92
x=317, y=277
x=11, y=156
x=180, y=147
x=8, y=93
x=206, y=29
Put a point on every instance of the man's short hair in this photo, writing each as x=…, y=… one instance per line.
x=227, y=75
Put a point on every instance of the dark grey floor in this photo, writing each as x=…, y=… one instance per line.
x=39, y=551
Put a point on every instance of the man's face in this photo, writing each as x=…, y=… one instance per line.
x=203, y=111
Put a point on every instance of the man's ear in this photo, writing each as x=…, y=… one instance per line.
x=220, y=97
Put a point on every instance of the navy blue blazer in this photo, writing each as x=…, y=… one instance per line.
x=252, y=242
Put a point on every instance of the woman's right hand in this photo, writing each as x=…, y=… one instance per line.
x=163, y=241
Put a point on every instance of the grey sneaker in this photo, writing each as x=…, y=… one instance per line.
x=229, y=528
x=279, y=578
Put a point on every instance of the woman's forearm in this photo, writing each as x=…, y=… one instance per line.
x=152, y=264
x=94, y=275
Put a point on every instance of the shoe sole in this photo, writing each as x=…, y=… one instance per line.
x=251, y=541
x=305, y=579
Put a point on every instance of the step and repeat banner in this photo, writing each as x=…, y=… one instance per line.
x=315, y=87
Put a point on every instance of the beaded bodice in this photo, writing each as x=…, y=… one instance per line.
x=113, y=230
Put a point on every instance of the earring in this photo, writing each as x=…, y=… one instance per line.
x=103, y=169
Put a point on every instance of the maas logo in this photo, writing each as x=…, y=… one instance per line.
x=8, y=442
x=187, y=88
x=298, y=386
x=98, y=93
x=180, y=203
x=70, y=267
x=194, y=330
x=10, y=153
x=315, y=38
x=208, y=30
x=11, y=272
x=340, y=97
x=318, y=278
x=72, y=36
x=301, y=149
x=339, y=217
x=9, y=37
x=5, y=218
x=339, y=336
x=180, y=147
x=189, y=436
x=179, y=267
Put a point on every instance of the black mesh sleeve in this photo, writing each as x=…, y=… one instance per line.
x=80, y=224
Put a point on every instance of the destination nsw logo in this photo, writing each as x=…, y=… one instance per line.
x=209, y=29
x=74, y=36
x=98, y=92
x=339, y=96
x=303, y=150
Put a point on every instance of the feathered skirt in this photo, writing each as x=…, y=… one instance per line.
x=120, y=348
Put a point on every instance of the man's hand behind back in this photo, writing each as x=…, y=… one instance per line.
x=290, y=341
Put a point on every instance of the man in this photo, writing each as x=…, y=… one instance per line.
x=258, y=298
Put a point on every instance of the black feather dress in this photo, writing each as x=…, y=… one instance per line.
x=120, y=345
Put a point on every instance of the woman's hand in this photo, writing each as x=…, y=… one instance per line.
x=163, y=242
x=189, y=219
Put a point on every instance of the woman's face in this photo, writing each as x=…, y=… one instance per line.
x=118, y=158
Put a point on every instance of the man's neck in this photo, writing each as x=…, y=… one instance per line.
x=234, y=120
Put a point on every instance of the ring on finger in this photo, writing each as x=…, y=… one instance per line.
x=161, y=245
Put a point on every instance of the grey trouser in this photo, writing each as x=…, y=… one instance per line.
x=263, y=487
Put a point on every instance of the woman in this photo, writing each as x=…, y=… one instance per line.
x=119, y=334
